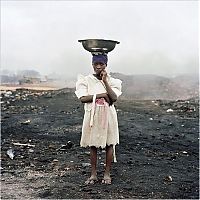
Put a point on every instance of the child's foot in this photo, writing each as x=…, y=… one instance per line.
x=106, y=179
x=92, y=180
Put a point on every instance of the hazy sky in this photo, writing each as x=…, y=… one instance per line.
x=156, y=37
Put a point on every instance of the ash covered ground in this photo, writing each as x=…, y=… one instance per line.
x=158, y=154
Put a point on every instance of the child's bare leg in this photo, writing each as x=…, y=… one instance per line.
x=93, y=161
x=109, y=157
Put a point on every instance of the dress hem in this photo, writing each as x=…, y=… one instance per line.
x=99, y=146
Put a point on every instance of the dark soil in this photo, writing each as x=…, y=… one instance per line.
x=158, y=154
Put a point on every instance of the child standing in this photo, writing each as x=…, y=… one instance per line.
x=98, y=92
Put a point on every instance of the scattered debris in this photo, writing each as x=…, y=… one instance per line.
x=20, y=144
x=102, y=163
x=147, y=147
x=155, y=103
x=87, y=153
x=10, y=153
x=8, y=93
x=66, y=146
x=31, y=150
x=170, y=110
x=168, y=179
x=26, y=122
x=85, y=164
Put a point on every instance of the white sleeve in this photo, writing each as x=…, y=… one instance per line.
x=81, y=87
x=116, y=85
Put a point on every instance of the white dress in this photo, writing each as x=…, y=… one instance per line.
x=100, y=125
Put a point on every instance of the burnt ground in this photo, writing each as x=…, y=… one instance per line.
x=157, y=156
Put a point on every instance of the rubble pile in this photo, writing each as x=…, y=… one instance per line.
x=184, y=108
x=10, y=100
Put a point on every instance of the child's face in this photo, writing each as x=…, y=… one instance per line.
x=98, y=67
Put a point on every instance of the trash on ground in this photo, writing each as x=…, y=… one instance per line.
x=170, y=110
x=168, y=178
x=10, y=153
x=26, y=122
x=7, y=94
x=31, y=150
x=86, y=164
x=20, y=144
x=66, y=146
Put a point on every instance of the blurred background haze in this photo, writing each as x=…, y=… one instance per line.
x=156, y=37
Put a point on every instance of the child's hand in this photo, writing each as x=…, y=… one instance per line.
x=108, y=100
x=103, y=75
x=106, y=97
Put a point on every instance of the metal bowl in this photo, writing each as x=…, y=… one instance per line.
x=98, y=45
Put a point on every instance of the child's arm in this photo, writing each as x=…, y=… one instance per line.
x=110, y=92
x=89, y=98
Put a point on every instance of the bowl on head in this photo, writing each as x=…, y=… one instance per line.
x=98, y=45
